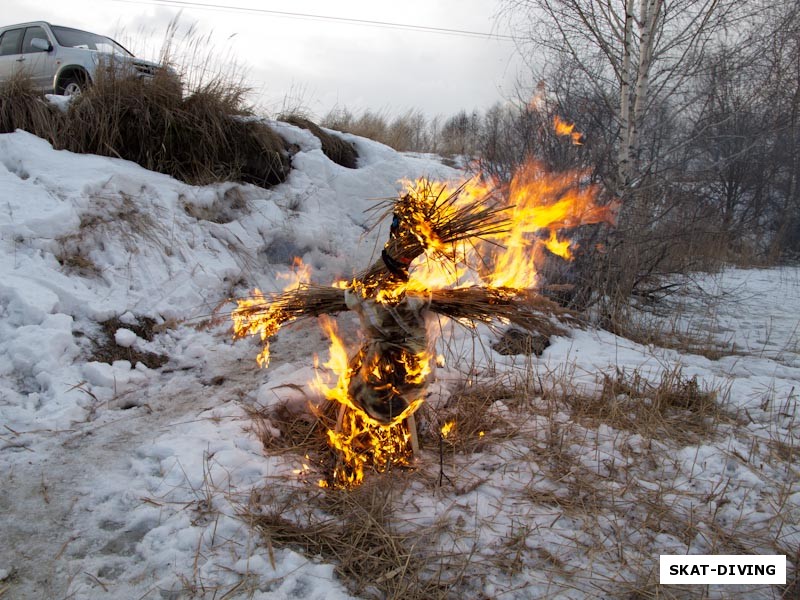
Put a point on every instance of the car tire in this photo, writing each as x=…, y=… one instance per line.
x=71, y=86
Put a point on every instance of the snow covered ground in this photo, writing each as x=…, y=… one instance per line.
x=127, y=455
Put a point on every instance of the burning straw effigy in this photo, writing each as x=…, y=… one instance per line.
x=467, y=253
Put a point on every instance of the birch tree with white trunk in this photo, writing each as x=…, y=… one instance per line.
x=632, y=52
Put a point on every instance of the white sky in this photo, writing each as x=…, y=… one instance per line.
x=316, y=65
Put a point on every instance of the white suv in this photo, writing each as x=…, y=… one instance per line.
x=63, y=60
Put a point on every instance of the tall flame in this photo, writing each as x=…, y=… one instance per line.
x=538, y=206
x=358, y=439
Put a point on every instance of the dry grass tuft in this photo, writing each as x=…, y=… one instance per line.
x=281, y=430
x=203, y=137
x=677, y=407
x=22, y=107
x=355, y=530
x=476, y=413
x=107, y=350
x=74, y=260
x=653, y=330
x=334, y=147
x=199, y=139
x=228, y=206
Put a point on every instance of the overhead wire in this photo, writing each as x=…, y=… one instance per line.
x=315, y=17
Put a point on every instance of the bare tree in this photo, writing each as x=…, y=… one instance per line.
x=634, y=53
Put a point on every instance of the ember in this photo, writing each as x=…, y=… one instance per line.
x=463, y=252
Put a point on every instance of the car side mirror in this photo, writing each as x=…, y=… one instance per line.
x=41, y=44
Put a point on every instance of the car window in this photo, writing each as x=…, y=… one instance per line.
x=30, y=33
x=9, y=42
x=75, y=38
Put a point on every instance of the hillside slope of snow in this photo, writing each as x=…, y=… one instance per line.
x=126, y=452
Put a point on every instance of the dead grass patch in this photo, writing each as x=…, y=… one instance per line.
x=23, y=107
x=74, y=259
x=654, y=331
x=676, y=407
x=477, y=413
x=227, y=207
x=356, y=531
x=601, y=465
x=109, y=217
x=334, y=147
x=281, y=430
x=204, y=136
x=200, y=139
x=107, y=350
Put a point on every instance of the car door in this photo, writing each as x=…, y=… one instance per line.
x=10, y=52
x=39, y=64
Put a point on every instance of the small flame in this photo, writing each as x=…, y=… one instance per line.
x=447, y=428
x=567, y=129
x=558, y=247
x=256, y=316
x=299, y=274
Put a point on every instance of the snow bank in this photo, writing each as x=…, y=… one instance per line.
x=122, y=479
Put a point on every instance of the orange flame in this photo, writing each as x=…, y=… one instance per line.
x=299, y=273
x=359, y=440
x=567, y=129
x=539, y=207
x=256, y=316
x=447, y=428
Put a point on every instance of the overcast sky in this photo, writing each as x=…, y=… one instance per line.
x=318, y=64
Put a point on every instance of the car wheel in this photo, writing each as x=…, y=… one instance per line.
x=71, y=86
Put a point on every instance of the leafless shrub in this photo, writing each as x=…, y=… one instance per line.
x=407, y=132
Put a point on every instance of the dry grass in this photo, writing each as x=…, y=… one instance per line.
x=22, y=107
x=107, y=350
x=108, y=217
x=604, y=467
x=198, y=139
x=406, y=132
x=228, y=206
x=282, y=430
x=201, y=137
x=675, y=408
x=648, y=327
x=354, y=530
x=472, y=410
x=334, y=147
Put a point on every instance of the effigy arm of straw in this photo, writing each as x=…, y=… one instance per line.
x=523, y=308
x=265, y=315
